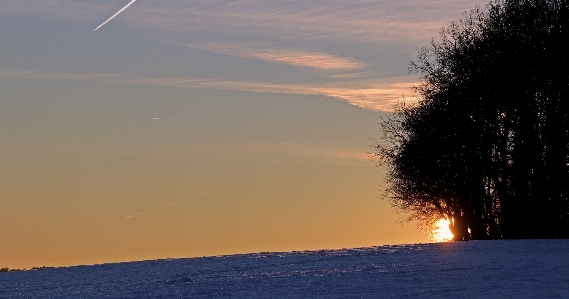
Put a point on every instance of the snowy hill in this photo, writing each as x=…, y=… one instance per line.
x=475, y=269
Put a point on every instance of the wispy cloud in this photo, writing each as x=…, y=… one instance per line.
x=317, y=34
x=317, y=153
x=314, y=151
x=380, y=96
x=353, y=75
x=364, y=20
x=60, y=9
x=296, y=57
x=57, y=76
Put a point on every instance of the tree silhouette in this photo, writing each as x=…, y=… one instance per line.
x=487, y=145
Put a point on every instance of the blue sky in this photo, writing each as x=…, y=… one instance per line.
x=262, y=109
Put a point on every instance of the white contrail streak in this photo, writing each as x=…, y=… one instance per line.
x=164, y=206
x=118, y=12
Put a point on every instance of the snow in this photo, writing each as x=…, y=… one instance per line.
x=487, y=269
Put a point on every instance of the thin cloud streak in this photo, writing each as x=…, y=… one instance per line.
x=295, y=57
x=322, y=153
x=364, y=21
x=377, y=96
x=414, y=21
x=57, y=76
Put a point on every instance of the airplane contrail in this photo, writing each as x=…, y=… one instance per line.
x=118, y=12
x=165, y=206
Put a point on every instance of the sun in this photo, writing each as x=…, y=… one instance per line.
x=441, y=231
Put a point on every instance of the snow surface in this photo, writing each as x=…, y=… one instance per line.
x=475, y=269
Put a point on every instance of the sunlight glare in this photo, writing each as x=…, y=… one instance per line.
x=441, y=231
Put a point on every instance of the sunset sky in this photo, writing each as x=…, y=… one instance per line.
x=188, y=128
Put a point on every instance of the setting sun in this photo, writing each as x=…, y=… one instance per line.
x=441, y=231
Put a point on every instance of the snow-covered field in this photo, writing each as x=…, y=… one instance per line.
x=475, y=269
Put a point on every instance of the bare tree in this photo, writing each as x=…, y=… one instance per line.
x=487, y=146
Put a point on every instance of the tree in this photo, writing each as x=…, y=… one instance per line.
x=487, y=145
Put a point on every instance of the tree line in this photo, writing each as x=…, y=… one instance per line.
x=487, y=144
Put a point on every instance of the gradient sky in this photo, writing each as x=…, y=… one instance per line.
x=192, y=128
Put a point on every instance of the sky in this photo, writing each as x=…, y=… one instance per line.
x=195, y=128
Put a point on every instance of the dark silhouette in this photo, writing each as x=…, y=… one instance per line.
x=487, y=145
x=6, y=269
